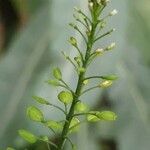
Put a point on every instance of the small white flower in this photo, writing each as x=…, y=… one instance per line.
x=113, y=29
x=99, y=51
x=111, y=46
x=114, y=12
x=91, y=5
x=99, y=2
x=107, y=1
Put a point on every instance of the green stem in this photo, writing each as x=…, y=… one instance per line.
x=107, y=33
x=92, y=88
x=79, y=85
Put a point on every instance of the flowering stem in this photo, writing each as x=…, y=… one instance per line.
x=78, y=91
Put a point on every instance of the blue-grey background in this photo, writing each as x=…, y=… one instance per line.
x=31, y=41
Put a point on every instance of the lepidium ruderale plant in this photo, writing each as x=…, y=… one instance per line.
x=73, y=107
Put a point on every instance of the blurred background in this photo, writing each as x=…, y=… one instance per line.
x=32, y=35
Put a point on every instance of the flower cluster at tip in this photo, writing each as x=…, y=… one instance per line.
x=73, y=106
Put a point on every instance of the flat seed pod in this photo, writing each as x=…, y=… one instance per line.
x=35, y=114
x=28, y=136
x=81, y=107
x=57, y=73
x=93, y=117
x=53, y=125
x=107, y=115
x=65, y=97
x=40, y=100
x=74, y=125
x=110, y=77
x=53, y=82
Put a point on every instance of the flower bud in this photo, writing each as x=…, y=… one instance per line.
x=106, y=83
x=99, y=2
x=85, y=82
x=73, y=41
x=81, y=70
x=113, y=13
x=91, y=5
x=78, y=60
x=103, y=24
x=111, y=46
x=99, y=51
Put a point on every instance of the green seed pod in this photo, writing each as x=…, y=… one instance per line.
x=65, y=97
x=40, y=100
x=110, y=77
x=35, y=114
x=81, y=107
x=26, y=135
x=106, y=84
x=73, y=41
x=57, y=73
x=53, y=82
x=93, y=116
x=74, y=125
x=53, y=125
x=107, y=115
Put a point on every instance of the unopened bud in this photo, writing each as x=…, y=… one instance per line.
x=114, y=12
x=106, y=83
x=111, y=46
x=99, y=51
x=85, y=82
x=73, y=41
x=81, y=70
x=91, y=5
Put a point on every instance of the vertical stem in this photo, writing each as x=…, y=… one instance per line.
x=79, y=86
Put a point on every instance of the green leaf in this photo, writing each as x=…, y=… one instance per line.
x=74, y=125
x=35, y=114
x=107, y=115
x=65, y=97
x=81, y=107
x=53, y=125
x=53, y=82
x=26, y=135
x=93, y=116
x=106, y=84
x=110, y=77
x=10, y=148
x=40, y=100
x=57, y=73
